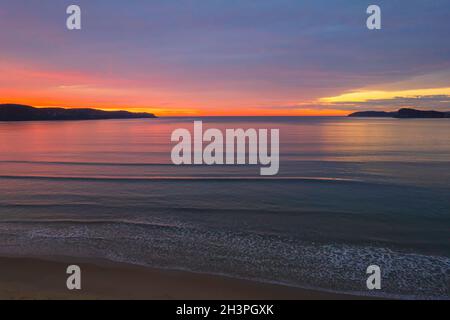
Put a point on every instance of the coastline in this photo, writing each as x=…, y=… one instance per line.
x=45, y=279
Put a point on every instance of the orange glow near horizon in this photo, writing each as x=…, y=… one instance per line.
x=38, y=86
x=177, y=110
x=34, y=85
x=328, y=106
x=180, y=112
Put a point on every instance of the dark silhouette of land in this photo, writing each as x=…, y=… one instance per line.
x=17, y=112
x=402, y=113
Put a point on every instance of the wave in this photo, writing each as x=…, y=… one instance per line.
x=185, y=178
x=168, y=164
x=73, y=163
x=124, y=222
x=247, y=255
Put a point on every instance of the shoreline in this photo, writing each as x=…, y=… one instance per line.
x=45, y=279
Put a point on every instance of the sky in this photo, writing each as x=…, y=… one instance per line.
x=226, y=57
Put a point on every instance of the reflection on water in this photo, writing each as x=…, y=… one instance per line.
x=351, y=192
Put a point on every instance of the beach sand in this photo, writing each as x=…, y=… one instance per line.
x=31, y=279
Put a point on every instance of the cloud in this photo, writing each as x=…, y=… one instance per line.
x=225, y=54
x=426, y=102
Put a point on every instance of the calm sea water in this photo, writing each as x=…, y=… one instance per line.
x=359, y=192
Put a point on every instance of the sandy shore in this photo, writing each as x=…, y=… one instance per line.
x=24, y=278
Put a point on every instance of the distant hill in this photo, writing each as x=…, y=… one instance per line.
x=17, y=112
x=402, y=113
x=375, y=114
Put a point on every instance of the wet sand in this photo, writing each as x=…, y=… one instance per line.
x=35, y=279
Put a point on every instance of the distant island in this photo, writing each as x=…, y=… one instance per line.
x=17, y=112
x=402, y=114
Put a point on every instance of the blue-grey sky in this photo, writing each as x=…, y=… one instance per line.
x=226, y=56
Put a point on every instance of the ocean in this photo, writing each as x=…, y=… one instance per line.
x=351, y=192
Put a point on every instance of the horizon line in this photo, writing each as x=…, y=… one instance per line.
x=189, y=113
